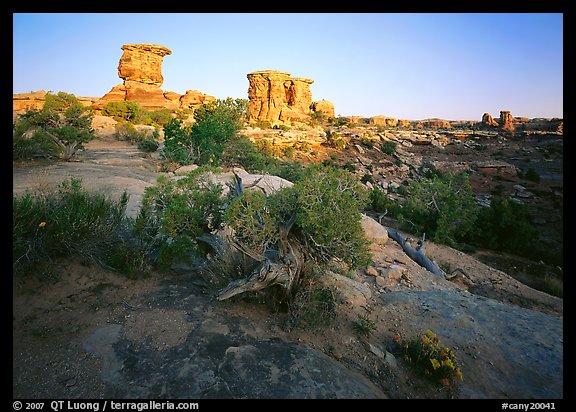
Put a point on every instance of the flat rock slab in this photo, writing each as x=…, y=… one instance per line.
x=519, y=349
x=221, y=357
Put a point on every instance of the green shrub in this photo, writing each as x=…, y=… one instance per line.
x=442, y=207
x=263, y=124
x=175, y=212
x=127, y=110
x=254, y=222
x=127, y=132
x=532, y=175
x=314, y=305
x=381, y=203
x=505, y=226
x=157, y=118
x=436, y=361
x=332, y=140
x=205, y=141
x=282, y=127
x=241, y=152
x=67, y=222
x=34, y=146
x=367, y=143
x=388, y=147
x=364, y=326
x=62, y=126
x=148, y=145
x=328, y=212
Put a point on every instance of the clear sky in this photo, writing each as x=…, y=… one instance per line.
x=454, y=66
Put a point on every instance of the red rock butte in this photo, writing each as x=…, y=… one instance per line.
x=276, y=97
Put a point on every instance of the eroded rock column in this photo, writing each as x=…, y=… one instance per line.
x=267, y=95
x=142, y=63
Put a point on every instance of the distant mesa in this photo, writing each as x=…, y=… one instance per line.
x=273, y=96
x=141, y=69
x=278, y=98
x=508, y=124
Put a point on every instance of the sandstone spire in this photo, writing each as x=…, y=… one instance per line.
x=142, y=63
x=141, y=69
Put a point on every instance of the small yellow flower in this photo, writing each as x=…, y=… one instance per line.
x=42, y=224
x=435, y=363
x=425, y=340
x=448, y=362
x=430, y=334
x=458, y=374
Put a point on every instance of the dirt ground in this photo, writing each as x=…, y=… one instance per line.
x=53, y=321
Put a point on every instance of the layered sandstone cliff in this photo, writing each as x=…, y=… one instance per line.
x=276, y=97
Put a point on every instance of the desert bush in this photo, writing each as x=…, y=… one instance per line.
x=388, y=147
x=532, y=175
x=62, y=126
x=443, y=207
x=127, y=110
x=329, y=204
x=326, y=205
x=505, y=226
x=255, y=223
x=36, y=145
x=148, y=145
x=241, y=152
x=156, y=118
x=262, y=124
x=268, y=148
x=381, y=203
x=436, y=361
x=66, y=222
x=313, y=306
x=364, y=326
x=175, y=212
x=127, y=132
x=332, y=140
x=282, y=127
x=205, y=141
x=366, y=142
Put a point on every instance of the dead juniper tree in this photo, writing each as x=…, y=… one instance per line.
x=316, y=219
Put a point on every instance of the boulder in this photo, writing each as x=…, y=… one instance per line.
x=324, y=107
x=374, y=231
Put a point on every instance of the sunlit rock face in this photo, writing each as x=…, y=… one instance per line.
x=142, y=63
x=276, y=97
x=141, y=69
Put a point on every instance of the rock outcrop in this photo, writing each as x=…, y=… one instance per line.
x=433, y=124
x=142, y=63
x=488, y=120
x=276, y=97
x=141, y=69
x=22, y=102
x=506, y=122
x=383, y=121
x=324, y=107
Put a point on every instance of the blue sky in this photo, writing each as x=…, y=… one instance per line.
x=454, y=66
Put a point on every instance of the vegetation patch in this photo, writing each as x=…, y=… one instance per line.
x=436, y=361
